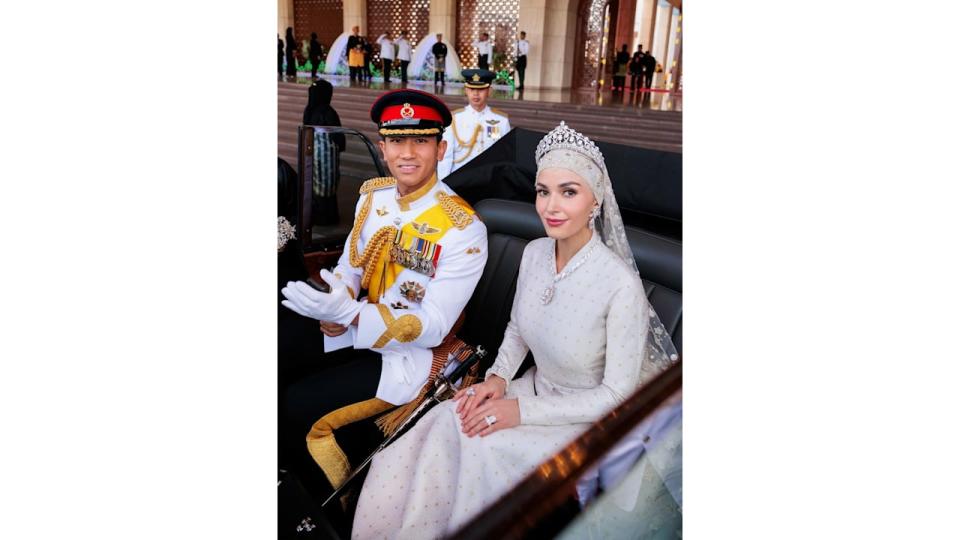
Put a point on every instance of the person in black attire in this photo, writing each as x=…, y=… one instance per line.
x=316, y=51
x=367, y=59
x=279, y=58
x=620, y=68
x=291, y=50
x=355, y=54
x=636, y=71
x=439, y=51
x=327, y=149
x=649, y=66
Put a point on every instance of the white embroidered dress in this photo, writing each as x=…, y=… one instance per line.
x=587, y=343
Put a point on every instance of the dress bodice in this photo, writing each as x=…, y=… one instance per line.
x=587, y=341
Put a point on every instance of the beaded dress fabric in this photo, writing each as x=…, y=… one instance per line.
x=590, y=344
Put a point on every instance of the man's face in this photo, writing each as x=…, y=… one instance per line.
x=439, y=38
x=356, y=30
x=478, y=97
x=412, y=160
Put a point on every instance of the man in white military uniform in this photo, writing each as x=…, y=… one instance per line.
x=474, y=128
x=484, y=51
x=417, y=251
x=403, y=55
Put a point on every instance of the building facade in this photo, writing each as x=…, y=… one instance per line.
x=572, y=42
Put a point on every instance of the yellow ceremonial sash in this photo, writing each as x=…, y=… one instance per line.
x=433, y=224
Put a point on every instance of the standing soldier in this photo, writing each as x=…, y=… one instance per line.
x=523, y=47
x=403, y=55
x=474, y=128
x=417, y=251
x=439, y=51
x=386, y=54
x=484, y=51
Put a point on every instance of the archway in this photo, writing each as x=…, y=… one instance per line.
x=596, y=20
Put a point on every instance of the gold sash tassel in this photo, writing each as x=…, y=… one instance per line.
x=389, y=422
x=323, y=446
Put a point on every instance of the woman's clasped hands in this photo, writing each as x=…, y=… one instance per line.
x=482, y=409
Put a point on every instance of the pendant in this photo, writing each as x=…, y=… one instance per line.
x=547, y=295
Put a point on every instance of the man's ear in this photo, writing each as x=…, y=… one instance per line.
x=441, y=149
x=383, y=151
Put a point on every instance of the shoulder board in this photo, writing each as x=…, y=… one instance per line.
x=498, y=111
x=459, y=212
x=380, y=182
x=455, y=111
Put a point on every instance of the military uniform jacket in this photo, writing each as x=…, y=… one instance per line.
x=419, y=257
x=469, y=134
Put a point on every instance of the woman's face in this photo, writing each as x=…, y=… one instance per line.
x=564, y=203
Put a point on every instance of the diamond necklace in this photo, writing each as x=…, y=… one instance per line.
x=547, y=295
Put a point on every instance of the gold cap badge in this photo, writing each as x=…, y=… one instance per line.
x=406, y=111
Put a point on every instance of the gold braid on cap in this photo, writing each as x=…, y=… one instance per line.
x=563, y=137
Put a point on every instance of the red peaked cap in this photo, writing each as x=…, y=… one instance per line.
x=409, y=113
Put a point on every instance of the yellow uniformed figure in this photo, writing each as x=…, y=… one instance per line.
x=412, y=261
x=474, y=128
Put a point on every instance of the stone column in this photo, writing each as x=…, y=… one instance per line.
x=668, y=38
x=648, y=18
x=355, y=14
x=284, y=16
x=551, y=31
x=626, y=17
x=443, y=20
x=677, y=68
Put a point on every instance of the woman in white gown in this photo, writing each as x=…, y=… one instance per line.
x=580, y=308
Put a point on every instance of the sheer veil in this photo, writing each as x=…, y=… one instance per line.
x=566, y=148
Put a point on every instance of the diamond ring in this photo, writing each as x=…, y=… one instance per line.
x=471, y=391
x=491, y=420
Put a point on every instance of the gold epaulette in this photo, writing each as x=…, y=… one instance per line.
x=457, y=209
x=500, y=112
x=380, y=182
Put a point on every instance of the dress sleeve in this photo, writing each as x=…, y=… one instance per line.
x=626, y=330
x=513, y=349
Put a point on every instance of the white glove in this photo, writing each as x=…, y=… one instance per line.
x=335, y=306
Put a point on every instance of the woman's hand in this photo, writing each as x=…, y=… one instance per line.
x=332, y=329
x=501, y=413
x=492, y=388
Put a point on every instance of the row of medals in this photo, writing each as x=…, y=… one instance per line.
x=410, y=259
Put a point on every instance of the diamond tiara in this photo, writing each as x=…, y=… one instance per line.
x=563, y=136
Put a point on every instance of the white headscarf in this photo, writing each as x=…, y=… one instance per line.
x=568, y=149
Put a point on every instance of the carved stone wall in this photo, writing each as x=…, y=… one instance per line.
x=499, y=19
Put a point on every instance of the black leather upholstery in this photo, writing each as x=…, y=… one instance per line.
x=513, y=224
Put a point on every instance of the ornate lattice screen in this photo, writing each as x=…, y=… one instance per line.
x=499, y=18
x=395, y=16
x=325, y=17
x=596, y=18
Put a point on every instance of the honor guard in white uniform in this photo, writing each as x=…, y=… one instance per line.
x=475, y=127
x=411, y=263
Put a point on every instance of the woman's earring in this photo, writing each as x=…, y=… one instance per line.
x=594, y=214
